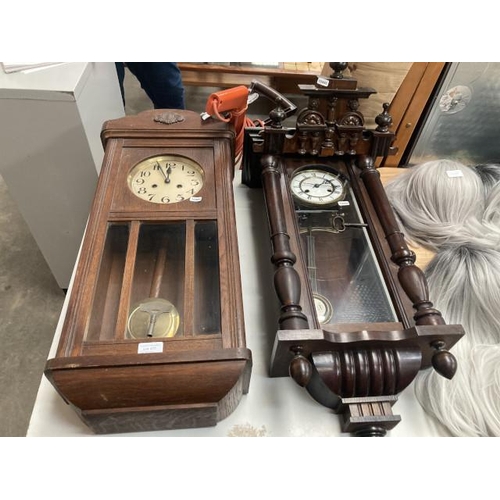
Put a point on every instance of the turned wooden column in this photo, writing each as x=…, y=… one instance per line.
x=411, y=277
x=286, y=278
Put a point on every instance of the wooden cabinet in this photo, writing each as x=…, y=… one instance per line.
x=154, y=335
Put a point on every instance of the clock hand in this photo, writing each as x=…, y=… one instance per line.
x=166, y=174
x=311, y=184
x=317, y=185
x=169, y=171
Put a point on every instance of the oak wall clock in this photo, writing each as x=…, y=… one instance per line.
x=355, y=321
x=154, y=334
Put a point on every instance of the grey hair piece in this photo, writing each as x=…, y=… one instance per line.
x=458, y=216
x=489, y=173
x=439, y=203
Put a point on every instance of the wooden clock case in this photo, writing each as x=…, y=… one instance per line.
x=356, y=368
x=185, y=251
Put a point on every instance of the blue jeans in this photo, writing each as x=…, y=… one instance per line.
x=162, y=82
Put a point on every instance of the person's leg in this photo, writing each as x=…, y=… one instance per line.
x=162, y=82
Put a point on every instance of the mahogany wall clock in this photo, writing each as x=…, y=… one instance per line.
x=154, y=334
x=355, y=321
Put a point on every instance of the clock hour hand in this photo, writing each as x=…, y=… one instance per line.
x=167, y=177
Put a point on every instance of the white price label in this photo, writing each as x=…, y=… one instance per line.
x=343, y=203
x=454, y=173
x=149, y=347
x=195, y=199
x=324, y=82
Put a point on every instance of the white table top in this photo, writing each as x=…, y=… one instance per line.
x=273, y=407
x=61, y=82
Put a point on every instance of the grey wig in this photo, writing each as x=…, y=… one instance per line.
x=454, y=210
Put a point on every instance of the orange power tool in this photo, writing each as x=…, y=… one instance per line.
x=231, y=105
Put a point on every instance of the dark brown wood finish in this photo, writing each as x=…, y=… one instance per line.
x=286, y=279
x=198, y=376
x=357, y=369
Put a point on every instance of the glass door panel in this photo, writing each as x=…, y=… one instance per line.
x=109, y=284
x=345, y=277
x=157, y=280
x=157, y=288
x=207, y=291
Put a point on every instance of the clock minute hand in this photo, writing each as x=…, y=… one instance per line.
x=313, y=184
x=317, y=184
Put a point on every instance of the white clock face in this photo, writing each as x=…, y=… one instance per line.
x=317, y=188
x=166, y=179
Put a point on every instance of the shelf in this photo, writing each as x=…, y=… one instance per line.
x=284, y=76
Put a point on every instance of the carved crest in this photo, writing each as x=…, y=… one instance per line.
x=169, y=118
x=353, y=119
x=309, y=117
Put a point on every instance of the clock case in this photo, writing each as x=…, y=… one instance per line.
x=355, y=367
x=186, y=252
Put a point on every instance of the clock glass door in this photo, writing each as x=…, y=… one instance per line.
x=109, y=284
x=344, y=274
x=157, y=281
x=157, y=289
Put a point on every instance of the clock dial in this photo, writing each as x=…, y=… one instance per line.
x=316, y=187
x=166, y=179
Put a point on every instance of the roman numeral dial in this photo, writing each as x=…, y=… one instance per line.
x=317, y=187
